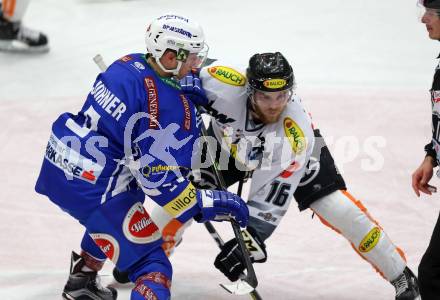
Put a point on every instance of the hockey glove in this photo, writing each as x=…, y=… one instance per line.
x=192, y=88
x=221, y=205
x=230, y=260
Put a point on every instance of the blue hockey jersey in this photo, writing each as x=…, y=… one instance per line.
x=136, y=129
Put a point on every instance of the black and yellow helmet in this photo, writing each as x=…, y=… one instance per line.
x=270, y=72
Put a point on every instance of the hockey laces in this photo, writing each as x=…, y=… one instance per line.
x=400, y=285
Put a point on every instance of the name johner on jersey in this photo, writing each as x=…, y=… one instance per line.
x=108, y=101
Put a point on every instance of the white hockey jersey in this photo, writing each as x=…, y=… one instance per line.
x=277, y=153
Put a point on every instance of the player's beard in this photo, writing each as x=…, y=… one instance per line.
x=268, y=115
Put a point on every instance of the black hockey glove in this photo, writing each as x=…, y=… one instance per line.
x=192, y=88
x=230, y=260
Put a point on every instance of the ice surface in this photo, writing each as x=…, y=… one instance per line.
x=363, y=69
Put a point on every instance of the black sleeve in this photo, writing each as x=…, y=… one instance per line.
x=322, y=176
x=430, y=150
x=431, y=153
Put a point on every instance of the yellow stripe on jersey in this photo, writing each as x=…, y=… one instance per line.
x=179, y=205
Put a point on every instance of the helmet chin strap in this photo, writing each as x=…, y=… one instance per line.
x=174, y=71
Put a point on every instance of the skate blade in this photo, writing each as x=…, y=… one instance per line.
x=240, y=287
x=20, y=47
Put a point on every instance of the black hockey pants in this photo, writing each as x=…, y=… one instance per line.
x=429, y=268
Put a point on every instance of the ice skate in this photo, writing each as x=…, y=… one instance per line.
x=85, y=285
x=406, y=285
x=17, y=38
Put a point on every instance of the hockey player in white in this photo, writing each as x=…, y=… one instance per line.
x=14, y=36
x=241, y=107
x=325, y=193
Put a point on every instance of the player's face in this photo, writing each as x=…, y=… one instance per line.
x=270, y=105
x=432, y=21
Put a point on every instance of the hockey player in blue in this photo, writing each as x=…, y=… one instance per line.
x=136, y=129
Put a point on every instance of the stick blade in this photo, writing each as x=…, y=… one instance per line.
x=239, y=287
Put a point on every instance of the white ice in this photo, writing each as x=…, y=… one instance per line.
x=363, y=67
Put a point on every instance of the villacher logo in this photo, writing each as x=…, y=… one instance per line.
x=108, y=245
x=138, y=226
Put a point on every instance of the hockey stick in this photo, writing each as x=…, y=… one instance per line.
x=249, y=282
x=99, y=61
x=214, y=234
